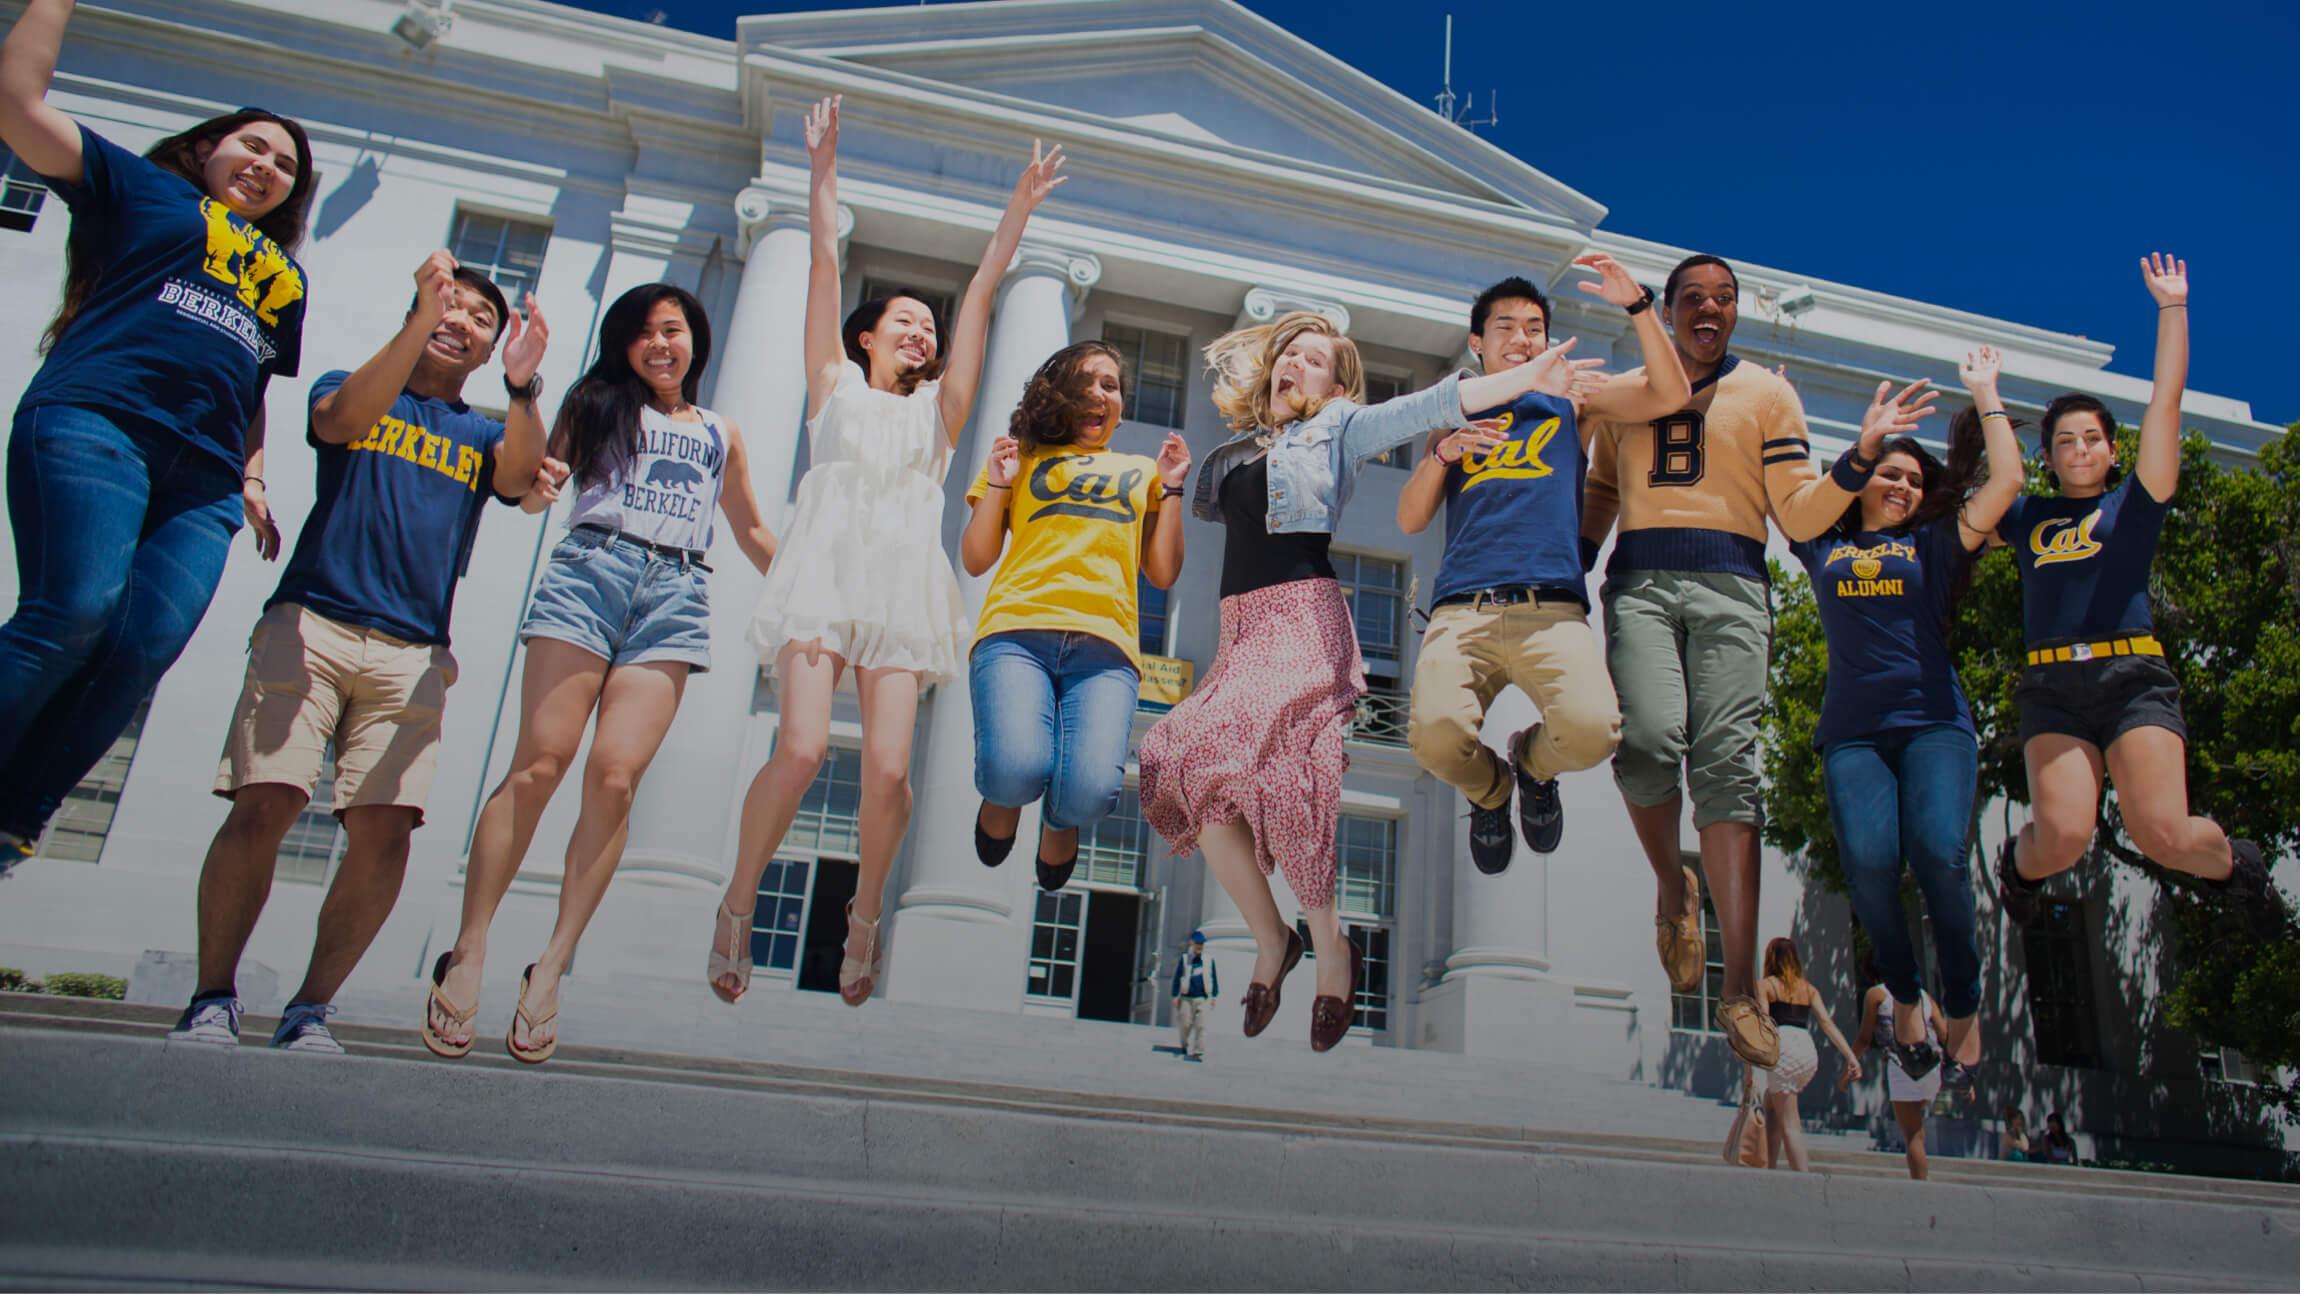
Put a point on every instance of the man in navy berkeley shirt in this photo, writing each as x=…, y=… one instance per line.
x=352, y=650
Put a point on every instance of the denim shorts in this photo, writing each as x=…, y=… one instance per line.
x=622, y=603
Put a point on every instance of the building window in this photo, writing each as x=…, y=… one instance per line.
x=830, y=814
x=313, y=842
x=84, y=819
x=944, y=305
x=1157, y=373
x=1056, y=931
x=1375, y=588
x=508, y=251
x=1365, y=895
x=1381, y=388
x=778, y=923
x=1696, y=1012
x=1116, y=850
x=22, y=193
x=2060, y=988
x=1153, y=603
x=2227, y=1065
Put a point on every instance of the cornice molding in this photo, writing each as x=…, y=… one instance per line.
x=765, y=204
x=1264, y=303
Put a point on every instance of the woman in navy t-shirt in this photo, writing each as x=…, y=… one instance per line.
x=2097, y=696
x=1896, y=738
x=136, y=451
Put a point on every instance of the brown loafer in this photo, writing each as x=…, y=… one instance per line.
x=1262, y=999
x=1684, y=950
x=1752, y=1037
x=1330, y=1016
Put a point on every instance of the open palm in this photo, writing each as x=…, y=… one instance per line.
x=2166, y=277
x=823, y=129
x=523, y=346
x=1041, y=177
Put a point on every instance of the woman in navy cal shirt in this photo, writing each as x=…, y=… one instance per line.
x=137, y=451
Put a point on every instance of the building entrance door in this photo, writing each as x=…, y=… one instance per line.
x=1108, y=964
x=827, y=925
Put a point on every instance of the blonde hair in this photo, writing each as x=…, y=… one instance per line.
x=1241, y=363
x=1783, y=964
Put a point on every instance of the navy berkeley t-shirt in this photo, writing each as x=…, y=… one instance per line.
x=2084, y=562
x=193, y=307
x=1513, y=512
x=395, y=517
x=1884, y=602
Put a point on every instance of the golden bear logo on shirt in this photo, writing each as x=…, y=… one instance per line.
x=2064, y=539
x=1514, y=460
x=1097, y=496
x=1866, y=568
x=253, y=266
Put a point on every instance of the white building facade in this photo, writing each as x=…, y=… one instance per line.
x=1222, y=171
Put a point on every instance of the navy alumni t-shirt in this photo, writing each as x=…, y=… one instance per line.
x=1884, y=602
x=193, y=307
x=396, y=513
x=2084, y=562
x=1513, y=512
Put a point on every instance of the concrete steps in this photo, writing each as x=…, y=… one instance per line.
x=127, y=1160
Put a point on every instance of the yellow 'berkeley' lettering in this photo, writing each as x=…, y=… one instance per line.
x=2063, y=539
x=401, y=440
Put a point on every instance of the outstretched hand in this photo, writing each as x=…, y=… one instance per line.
x=524, y=340
x=1174, y=461
x=1040, y=177
x=1613, y=285
x=1555, y=372
x=1980, y=370
x=2167, y=278
x=1897, y=416
x=550, y=475
x=1005, y=461
x=1475, y=438
x=823, y=131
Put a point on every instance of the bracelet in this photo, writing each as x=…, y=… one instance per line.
x=1449, y=462
x=996, y=486
x=1998, y=413
x=1169, y=491
x=2177, y=305
x=257, y=479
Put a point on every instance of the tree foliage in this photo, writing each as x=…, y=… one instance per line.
x=2226, y=595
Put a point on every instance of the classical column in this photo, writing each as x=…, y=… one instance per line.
x=683, y=821
x=1262, y=304
x=955, y=932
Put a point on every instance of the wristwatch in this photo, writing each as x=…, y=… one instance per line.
x=529, y=393
x=1643, y=303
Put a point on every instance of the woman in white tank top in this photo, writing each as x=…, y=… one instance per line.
x=1912, y=1098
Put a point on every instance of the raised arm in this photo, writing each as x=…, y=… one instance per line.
x=985, y=534
x=34, y=129
x=824, y=350
x=521, y=452
x=351, y=410
x=2158, y=465
x=1804, y=502
x=1977, y=521
x=1162, y=544
x=741, y=507
x=1662, y=388
x=1424, y=490
x=963, y=353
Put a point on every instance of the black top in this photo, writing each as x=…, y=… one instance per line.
x=1253, y=558
x=1797, y=1015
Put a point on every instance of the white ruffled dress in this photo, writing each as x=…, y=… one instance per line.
x=861, y=565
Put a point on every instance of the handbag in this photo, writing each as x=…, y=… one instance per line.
x=1751, y=1152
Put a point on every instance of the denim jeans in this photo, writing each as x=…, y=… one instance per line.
x=121, y=533
x=624, y=604
x=1053, y=713
x=1907, y=795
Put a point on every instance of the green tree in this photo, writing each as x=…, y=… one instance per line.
x=2226, y=593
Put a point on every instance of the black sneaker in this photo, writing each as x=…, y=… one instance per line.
x=2016, y=894
x=1053, y=876
x=989, y=848
x=1491, y=841
x=1956, y=1075
x=2247, y=880
x=1540, y=813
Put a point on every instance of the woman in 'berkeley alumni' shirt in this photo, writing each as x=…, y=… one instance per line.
x=2097, y=695
x=1898, y=752
x=619, y=620
x=138, y=448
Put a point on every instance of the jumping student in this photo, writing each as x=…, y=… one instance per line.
x=865, y=583
x=1898, y=752
x=2097, y=697
x=352, y=649
x=137, y=450
x=1688, y=627
x=618, y=622
x=1250, y=764
x=1512, y=600
x=1056, y=669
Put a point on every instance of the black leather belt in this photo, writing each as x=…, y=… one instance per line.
x=686, y=555
x=1511, y=595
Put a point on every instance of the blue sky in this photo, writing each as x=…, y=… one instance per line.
x=2014, y=159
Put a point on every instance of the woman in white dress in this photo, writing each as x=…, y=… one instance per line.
x=861, y=580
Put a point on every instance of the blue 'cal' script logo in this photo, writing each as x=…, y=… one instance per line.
x=1096, y=496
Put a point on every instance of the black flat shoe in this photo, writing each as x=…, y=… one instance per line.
x=992, y=850
x=1053, y=876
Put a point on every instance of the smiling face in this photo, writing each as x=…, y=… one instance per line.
x=1893, y=492
x=2080, y=453
x=903, y=342
x=465, y=337
x=1303, y=373
x=1102, y=394
x=252, y=169
x=664, y=350
x=1515, y=332
x=1702, y=314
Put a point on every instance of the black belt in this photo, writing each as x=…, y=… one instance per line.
x=688, y=556
x=1511, y=595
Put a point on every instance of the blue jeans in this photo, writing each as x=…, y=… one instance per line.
x=1907, y=795
x=121, y=534
x=1053, y=713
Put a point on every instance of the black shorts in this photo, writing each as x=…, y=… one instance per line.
x=2099, y=700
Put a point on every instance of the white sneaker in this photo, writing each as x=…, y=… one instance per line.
x=303, y=1027
x=213, y=1021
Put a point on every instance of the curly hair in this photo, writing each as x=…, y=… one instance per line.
x=1055, y=402
x=1241, y=363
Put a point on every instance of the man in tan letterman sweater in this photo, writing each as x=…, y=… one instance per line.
x=1687, y=626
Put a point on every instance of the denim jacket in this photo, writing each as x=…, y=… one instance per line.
x=1314, y=461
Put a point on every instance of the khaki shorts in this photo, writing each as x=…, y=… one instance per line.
x=312, y=681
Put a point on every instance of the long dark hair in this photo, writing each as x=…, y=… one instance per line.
x=864, y=318
x=1947, y=486
x=1055, y=402
x=179, y=154
x=597, y=430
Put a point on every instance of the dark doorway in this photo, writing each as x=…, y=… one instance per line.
x=827, y=925
x=1106, y=965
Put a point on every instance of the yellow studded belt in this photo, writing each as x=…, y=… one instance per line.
x=2136, y=645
